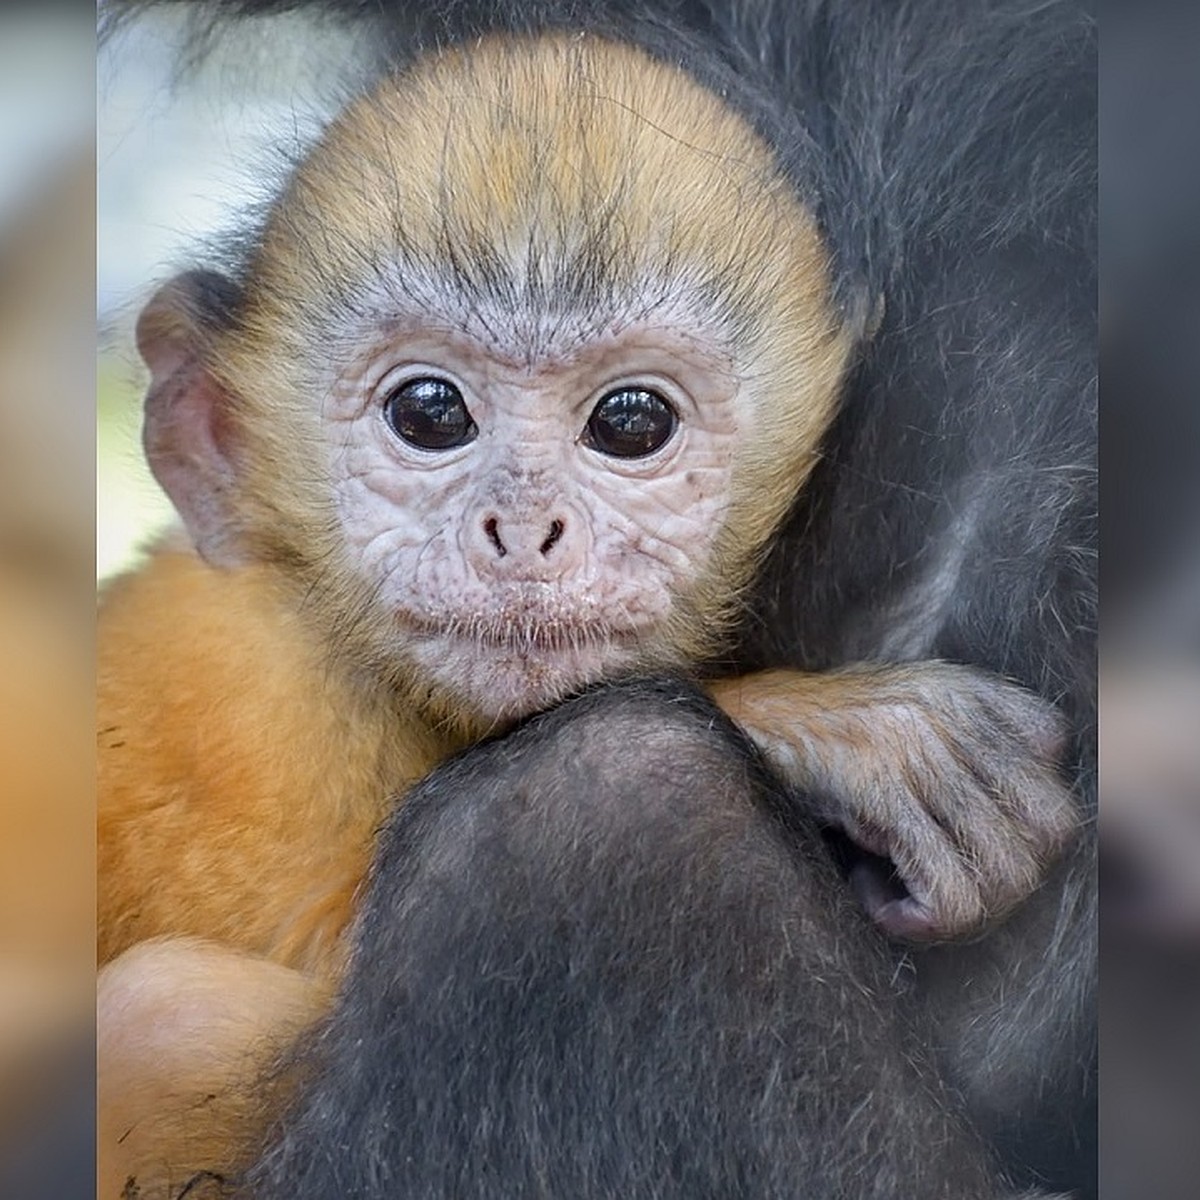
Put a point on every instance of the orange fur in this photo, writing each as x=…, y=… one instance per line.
x=247, y=752
x=183, y=1028
x=243, y=767
x=241, y=774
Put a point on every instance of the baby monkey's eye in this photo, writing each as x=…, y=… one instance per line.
x=630, y=423
x=430, y=413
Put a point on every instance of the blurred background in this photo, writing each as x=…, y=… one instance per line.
x=184, y=148
x=47, y=373
x=1150, y=662
x=175, y=164
x=113, y=170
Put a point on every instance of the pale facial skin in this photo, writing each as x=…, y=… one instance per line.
x=535, y=543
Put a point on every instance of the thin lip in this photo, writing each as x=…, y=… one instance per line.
x=552, y=634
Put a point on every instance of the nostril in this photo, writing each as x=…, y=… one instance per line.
x=492, y=528
x=556, y=532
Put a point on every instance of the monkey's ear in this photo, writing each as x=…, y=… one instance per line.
x=188, y=430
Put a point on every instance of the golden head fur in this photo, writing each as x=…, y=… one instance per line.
x=535, y=196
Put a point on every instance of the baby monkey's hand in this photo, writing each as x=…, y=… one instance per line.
x=948, y=772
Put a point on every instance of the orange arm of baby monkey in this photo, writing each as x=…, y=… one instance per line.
x=184, y=1031
x=240, y=784
x=947, y=771
x=240, y=781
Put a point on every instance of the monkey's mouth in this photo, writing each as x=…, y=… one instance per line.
x=554, y=639
x=507, y=669
x=528, y=634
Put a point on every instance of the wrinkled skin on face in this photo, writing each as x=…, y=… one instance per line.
x=539, y=240
x=529, y=560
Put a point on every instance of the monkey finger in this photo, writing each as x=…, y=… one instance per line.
x=951, y=805
x=998, y=865
x=907, y=873
x=961, y=856
x=1010, y=819
x=891, y=906
x=1009, y=816
x=938, y=906
x=1045, y=809
x=1027, y=718
x=1009, y=742
x=922, y=912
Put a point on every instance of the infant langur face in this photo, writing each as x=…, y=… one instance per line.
x=535, y=351
x=530, y=522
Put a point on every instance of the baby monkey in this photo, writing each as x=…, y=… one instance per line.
x=509, y=397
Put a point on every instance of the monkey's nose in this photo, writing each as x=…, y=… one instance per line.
x=491, y=527
x=512, y=546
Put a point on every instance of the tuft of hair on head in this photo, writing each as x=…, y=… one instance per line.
x=536, y=210
x=537, y=193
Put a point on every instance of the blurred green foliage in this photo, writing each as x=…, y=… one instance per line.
x=130, y=506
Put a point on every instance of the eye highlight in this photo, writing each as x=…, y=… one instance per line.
x=630, y=422
x=429, y=413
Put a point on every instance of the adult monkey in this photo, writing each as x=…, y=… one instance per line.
x=963, y=255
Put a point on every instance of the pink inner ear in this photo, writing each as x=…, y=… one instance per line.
x=188, y=432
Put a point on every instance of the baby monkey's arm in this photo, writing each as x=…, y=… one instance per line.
x=946, y=776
